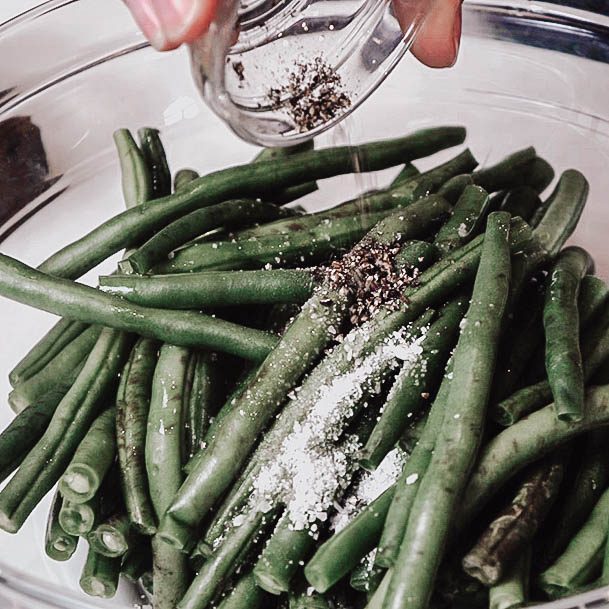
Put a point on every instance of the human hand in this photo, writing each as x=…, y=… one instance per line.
x=169, y=23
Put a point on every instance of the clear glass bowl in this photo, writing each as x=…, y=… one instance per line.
x=528, y=73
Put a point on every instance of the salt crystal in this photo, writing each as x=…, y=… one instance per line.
x=412, y=479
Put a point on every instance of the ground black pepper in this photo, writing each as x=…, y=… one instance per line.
x=369, y=274
x=312, y=96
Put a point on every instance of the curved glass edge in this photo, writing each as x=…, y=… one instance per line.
x=546, y=25
x=19, y=590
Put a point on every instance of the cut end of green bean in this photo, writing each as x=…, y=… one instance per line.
x=108, y=541
x=126, y=266
x=17, y=401
x=555, y=588
x=76, y=484
x=271, y=584
x=62, y=548
x=76, y=519
x=176, y=534
x=317, y=578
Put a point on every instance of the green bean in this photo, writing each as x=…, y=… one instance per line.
x=164, y=467
x=525, y=264
x=156, y=160
x=212, y=288
x=561, y=323
x=78, y=519
x=137, y=180
x=342, y=552
x=413, y=384
x=277, y=564
x=411, y=436
x=416, y=256
x=202, y=402
x=583, y=555
x=513, y=529
x=591, y=480
x=595, y=351
x=193, y=224
x=518, y=346
x=28, y=426
x=300, y=597
x=453, y=188
x=376, y=601
x=132, y=405
x=468, y=215
x=113, y=537
x=511, y=591
x=593, y=299
x=461, y=431
x=91, y=461
x=46, y=462
x=58, y=544
x=371, y=203
x=300, y=346
x=52, y=343
x=538, y=174
x=366, y=576
x=244, y=595
x=165, y=417
x=134, y=225
x=45, y=379
x=407, y=172
x=137, y=561
x=398, y=511
x=521, y=201
x=525, y=442
x=223, y=562
x=563, y=212
x=63, y=297
x=292, y=192
x=183, y=178
x=226, y=409
x=507, y=173
x=302, y=247
x=433, y=180
x=100, y=575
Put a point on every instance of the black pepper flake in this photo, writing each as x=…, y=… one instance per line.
x=369, y=275
x=312, y=96
x=239, y=70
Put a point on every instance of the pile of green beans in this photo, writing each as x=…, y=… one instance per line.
x=426, y=350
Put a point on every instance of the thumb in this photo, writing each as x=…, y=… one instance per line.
x=437, y=44
x=169, y=23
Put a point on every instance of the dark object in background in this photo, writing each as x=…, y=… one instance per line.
x=24, y=170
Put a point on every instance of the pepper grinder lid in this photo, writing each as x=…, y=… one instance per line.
x=280, y=72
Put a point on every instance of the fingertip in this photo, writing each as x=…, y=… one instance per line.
x=198, y=22
x=437, y=44
x=169, y=23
